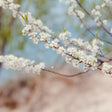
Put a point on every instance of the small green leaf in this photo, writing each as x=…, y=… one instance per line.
x=90, y=41
x=94, y=5
x=22, y=16
x=64, y=30
x=96, y=35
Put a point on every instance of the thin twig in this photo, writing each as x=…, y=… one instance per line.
x=65, y=75
x=93, y=18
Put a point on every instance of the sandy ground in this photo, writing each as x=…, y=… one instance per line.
x=48, y=93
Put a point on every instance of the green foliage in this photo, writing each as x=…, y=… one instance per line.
x=96, y=35
x=90, y=41
x=25, y=18
x=64, y=30
x=94, y=4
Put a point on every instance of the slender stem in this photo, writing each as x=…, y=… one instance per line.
x=1, y=46
x=106, y=30
x=88, y=30
x=93, y=18
x=65, y=75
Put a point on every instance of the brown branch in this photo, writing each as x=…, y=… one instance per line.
x=106, y=30
x=2, y=48
x=0, y=17
x=65, y=75
x=89, y=30
x=93, y=18
x=82, y=7
x=109, y=12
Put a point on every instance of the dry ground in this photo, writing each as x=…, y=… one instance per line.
x=48, y=93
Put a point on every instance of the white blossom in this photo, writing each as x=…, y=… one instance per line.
x=15, y=63
x=94, y=47
x=108, y=1
x=44, y=36
x=8, y=4
x=61, y=50
x=107, y=69
x=98, y=17
x=72, y=10
x=63, y=36
x=104, y=22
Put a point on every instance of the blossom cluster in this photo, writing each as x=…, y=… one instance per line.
x=72, y=10
x=107, y=69
x=8, y=4
x=108, y=1
x=93, y=47
x=80, y=56
x=98, y=16
x=15, y=63
x=63, y=36
x=34, y=28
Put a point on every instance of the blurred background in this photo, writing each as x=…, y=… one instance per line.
x=47, y=92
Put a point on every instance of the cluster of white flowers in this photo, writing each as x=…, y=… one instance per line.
x=93, y=47
x=72, y=10
x=15, y=63
x=98, y=16
x=108, y=1
x=107, y=69
x=63, y=36
x=34, y=28
x=8, y=4
x=52, y=44
x=80, y=56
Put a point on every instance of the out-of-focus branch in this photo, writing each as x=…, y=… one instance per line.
x=88, y=29
x=1, y=47
x=93, y=18
x=83, y=7
x=109, y=12
x=106, y=30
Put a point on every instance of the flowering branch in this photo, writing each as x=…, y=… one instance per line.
x=72, y=9
x=76, y=51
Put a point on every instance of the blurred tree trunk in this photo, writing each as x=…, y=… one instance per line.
x=3, y=43
x=4, y=40
x=2, y=46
